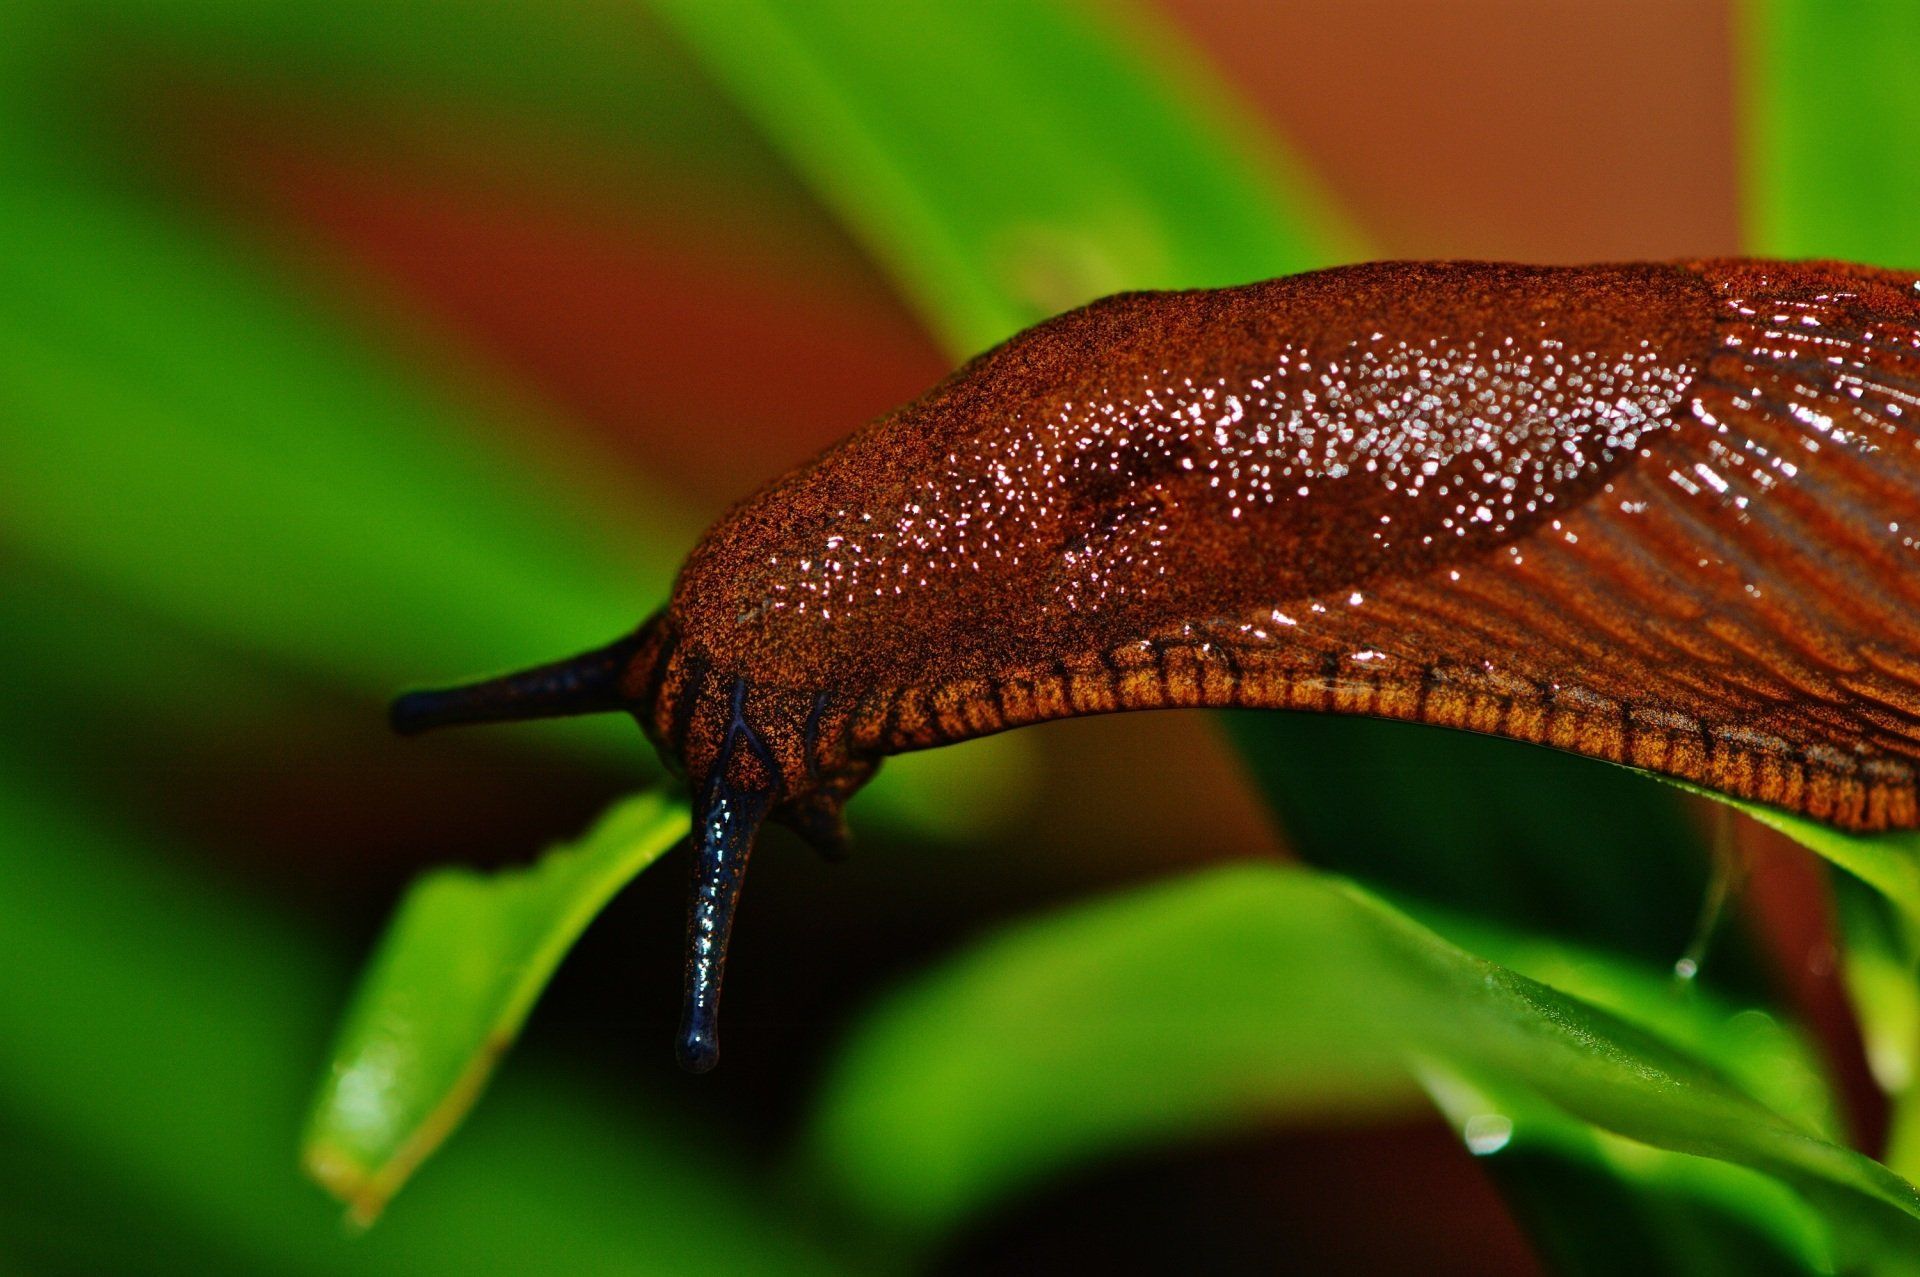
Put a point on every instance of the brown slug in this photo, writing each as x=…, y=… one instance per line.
x=1666, y=515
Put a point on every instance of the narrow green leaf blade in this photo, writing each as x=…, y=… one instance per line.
x=1256, y=990
x=1887, y=862
x=460, y=967
x=1880, y=961
x=1055, y=162
x=1830, y=99
x=186, y=435
x=1641, y=1209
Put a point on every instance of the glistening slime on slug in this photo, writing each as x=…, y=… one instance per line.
x=1664, y=515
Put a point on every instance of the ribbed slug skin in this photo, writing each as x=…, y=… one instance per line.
x=1661, y=514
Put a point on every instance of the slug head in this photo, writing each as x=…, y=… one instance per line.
x=745, y=754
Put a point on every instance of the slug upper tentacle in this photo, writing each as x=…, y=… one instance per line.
x=1664, y=515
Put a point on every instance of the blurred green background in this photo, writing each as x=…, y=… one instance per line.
x=346, y=345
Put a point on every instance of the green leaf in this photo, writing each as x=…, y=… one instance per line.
x=183, y=434
x=1256, y=991
x=1765, y=1057
x=1481, y=828
x=158, y=1031
x=1642, y=1209
x=1055, y=162
x=1829, y=97
x=1880, y=962
x=460, y=967
x=1888, y=862
x=1100, y=1026
x=1882, y=973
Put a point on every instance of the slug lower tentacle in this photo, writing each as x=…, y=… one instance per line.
x=734, y=800
x=1666, y=515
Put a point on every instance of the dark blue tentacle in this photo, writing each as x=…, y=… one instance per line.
x=728, y=817
x=585, y=684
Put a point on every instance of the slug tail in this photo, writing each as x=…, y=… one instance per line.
x=585, y=684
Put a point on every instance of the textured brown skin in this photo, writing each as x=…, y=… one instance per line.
x=1614, y=642
x=1662, y=515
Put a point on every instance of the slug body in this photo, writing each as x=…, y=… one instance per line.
x=1664, y=515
